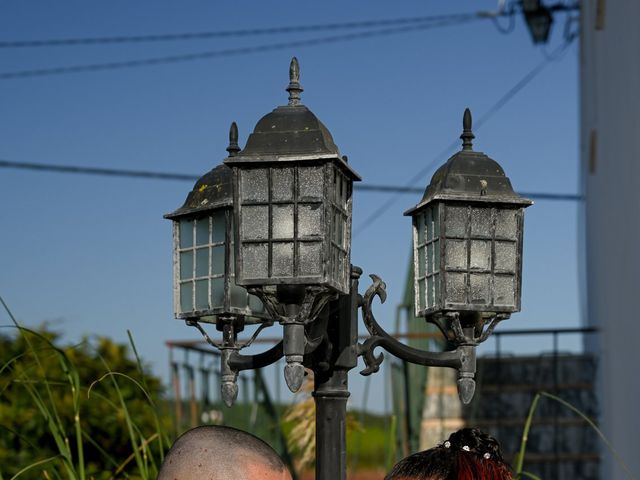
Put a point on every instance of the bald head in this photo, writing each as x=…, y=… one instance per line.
x=222, y=453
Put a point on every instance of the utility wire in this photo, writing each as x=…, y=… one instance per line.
x=171, y=37
x=501, y=102
x=227, y=52
x=113, y=172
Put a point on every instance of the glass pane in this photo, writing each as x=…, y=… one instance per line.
x=436, y=293
x=480, y=254
x=186, y=233
x=219, y=227
x=255, y=260
x=202, y=262
x=507, y=223
x=429, y=291
x=310, y=183
x=456, y=288
x=186, y=297
x=217, y=260
x=436, y=220
x=429, y=248
x=254, y=185
x=186, y=265
x=255, y=223
x=428, y=224
x=506, y=256
x=282, y=258
x=309, y=220
x=202, y=294
x=282, y=221
x=238, y=296
x=310, y=258
x=282, y=184
x=421, y=294
x=456, y=222
x=421, y=262
x=456, y=254
x=480, y=289
x=504, y=290
x=202, y=231
x=340, y=228
x=217, y=293
x=436, y=256
x=481, y=222
x=419, y=221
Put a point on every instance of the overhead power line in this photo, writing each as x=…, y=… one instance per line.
x=145, y=62
x=113, y=172
x=171, y=37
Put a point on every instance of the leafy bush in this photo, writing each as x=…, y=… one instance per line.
x=85, y=411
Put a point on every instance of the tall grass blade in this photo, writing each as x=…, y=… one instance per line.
x=597, y=430
x=128, y=460
x=531, y=475
x=35, y=464
x=141, y=459
x=51, y=414
x=527, y=427
x=164, y=439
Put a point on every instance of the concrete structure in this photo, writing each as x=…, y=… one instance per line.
x=610, y=165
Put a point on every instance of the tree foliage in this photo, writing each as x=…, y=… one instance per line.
x=67, y=405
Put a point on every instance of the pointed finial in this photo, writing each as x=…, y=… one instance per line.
x=467, y=135
x=294, y=87
x=233, y=147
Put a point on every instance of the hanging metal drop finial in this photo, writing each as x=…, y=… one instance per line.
x=294, y=87
x=233, y=147
x=467, y=135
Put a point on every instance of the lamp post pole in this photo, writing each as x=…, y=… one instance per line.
x=331, y=383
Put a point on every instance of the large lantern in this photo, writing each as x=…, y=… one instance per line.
x=467, y=237
x=204, y=280
x=292, y=201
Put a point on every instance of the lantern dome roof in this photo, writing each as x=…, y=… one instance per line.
x=213, y=190
x=290, y=130
x=290, y=133
x=470, y=176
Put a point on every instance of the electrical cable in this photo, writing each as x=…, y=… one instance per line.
x=497, y=106
x=169, y=37
x=226, y=52
x=113, y=172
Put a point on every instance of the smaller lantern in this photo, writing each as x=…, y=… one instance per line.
x=204, y=280
x=467, y=237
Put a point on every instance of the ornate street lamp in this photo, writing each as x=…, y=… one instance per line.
x=467, y=248
x=204, y=285
x=292, y=205
x=292, y=241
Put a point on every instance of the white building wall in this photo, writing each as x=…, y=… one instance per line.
x=610, y=164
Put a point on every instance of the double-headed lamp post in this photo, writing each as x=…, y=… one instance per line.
x=266, y=237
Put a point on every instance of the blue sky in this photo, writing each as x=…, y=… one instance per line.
x=92, y=255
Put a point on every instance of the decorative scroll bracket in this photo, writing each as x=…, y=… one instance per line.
x=465, y=337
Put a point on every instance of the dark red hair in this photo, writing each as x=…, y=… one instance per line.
x=468, y=454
